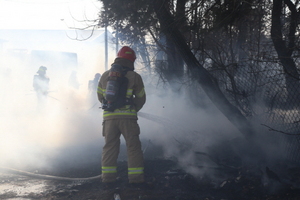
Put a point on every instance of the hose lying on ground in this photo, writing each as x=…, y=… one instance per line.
x=48, y=177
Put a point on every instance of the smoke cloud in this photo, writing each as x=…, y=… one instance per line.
x=201, y=138
x=35, y=132
x=66, y=128
x=185, y=132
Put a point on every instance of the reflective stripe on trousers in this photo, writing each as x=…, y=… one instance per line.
x=139, y=170
x=109, y=170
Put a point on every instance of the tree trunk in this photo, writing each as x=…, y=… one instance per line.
x=285, y=52
x=203, y=77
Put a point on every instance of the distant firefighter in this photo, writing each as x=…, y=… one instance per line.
x=93, y=84
x=41, y=82
x=73, y=81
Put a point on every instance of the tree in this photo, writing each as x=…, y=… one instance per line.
x=199, y=73
x=225, y=45
x=285, y=45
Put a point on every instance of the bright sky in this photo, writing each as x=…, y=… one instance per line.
x=47, y=14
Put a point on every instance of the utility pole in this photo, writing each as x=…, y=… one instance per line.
x=106, y=43
x=117, y=38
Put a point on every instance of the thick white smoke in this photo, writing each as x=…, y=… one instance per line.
x=67, y=126
x=33, y=131
x=184, y=131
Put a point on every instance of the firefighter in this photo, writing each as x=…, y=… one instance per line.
x=92, y=87
x=123, y=121
x=41, y=82
x=93, y=84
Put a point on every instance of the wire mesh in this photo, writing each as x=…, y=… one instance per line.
x=262, y=96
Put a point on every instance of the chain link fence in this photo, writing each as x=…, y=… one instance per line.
x=260, y=92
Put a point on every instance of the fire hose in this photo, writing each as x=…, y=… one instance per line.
x=49, y=177
x=160, y=120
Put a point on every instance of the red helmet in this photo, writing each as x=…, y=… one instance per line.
x=127, y=53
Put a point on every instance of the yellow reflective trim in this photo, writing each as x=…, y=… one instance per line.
x=129, y=90
x=141, y=93
x=109, y=170
x=119, y=114
x=135, y=172
x=139, y=170
x=129, y=93
x=100, y=90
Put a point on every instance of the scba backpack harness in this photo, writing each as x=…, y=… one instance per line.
x=116, y=88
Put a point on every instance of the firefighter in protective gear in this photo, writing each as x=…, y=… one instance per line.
x=93, y=84
x=123, y=121
x=41, y=82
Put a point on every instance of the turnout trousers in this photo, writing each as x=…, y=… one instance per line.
x=112, y=130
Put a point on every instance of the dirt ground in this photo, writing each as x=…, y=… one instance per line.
x=165, y=180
